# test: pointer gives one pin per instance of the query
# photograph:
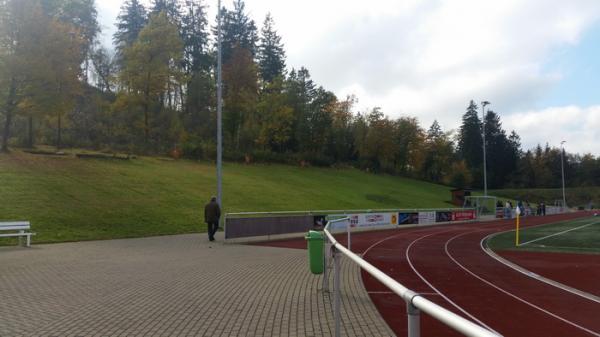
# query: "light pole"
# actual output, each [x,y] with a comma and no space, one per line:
[562,168]
[219,110]
[483,104]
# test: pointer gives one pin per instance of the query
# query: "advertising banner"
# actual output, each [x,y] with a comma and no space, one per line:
[408,218]
[426,217]
[463,215]
[373,219]
[443,216]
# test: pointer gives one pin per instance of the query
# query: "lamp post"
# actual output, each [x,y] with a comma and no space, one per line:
[562,168]
[483,104]
[219,110]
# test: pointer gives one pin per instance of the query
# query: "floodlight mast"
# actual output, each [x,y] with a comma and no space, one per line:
[483,104]
[562,168]
[219,110]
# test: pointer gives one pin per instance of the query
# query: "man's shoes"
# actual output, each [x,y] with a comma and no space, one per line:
[211,239]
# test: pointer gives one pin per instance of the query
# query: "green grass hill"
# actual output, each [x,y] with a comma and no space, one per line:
[68,198]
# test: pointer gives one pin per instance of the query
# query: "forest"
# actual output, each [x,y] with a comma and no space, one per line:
[153,92]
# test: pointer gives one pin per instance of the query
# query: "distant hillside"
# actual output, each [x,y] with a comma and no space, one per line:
[68,198]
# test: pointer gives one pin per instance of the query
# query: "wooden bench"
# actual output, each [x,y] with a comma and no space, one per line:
[18,228]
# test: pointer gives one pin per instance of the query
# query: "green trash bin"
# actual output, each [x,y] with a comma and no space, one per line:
[315,241]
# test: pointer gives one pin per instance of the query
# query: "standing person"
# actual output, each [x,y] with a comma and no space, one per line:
[543,208]
[212,213]
[507,210]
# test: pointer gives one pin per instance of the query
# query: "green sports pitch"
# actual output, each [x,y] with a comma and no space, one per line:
[573,236]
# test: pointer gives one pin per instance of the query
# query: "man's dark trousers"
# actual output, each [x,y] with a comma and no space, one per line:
[212,229]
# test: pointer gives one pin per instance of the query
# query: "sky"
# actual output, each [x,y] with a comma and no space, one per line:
[536,61]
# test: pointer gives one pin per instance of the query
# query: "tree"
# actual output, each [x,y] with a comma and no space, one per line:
[239,31]
[104,69]
[470,140]
[276,118]
[195,37]
[239,119]
[271,55]
[149,66]
[301,93]
[53,80]
[439,154]
[409,141]
[130,22]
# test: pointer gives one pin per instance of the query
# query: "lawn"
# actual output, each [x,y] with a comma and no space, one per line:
[71,199]
[575,236]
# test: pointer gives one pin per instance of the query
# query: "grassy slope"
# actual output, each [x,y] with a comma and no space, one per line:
[67,198]
[582,240]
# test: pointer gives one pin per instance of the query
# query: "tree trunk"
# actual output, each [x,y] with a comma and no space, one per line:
[9,107]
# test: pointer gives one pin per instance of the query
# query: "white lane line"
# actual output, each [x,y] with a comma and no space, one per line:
[533,275]
[559,233]
[435,289]
[510,294]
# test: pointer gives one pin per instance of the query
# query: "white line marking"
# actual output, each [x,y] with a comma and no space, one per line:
[555,234]
[435,289]
[512,295]
[531,274]
[393,293]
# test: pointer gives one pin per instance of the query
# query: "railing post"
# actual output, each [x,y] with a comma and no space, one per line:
[414,324]
[337,295]
[325,272]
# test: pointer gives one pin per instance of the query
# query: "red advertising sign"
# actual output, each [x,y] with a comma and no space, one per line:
[463,215]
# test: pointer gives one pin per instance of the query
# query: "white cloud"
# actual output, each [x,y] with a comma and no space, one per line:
[427,58]
[579,127]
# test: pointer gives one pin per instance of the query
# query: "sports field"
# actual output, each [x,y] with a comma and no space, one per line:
[573,236]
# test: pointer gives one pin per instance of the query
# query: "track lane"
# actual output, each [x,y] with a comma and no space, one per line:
[433,263]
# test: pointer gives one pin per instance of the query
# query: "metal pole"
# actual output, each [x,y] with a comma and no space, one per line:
[336,284]
[348,233]
[325,272]
[483,104]
[414,323]
[219,111]
[562,167]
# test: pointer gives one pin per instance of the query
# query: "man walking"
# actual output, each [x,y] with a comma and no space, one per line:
[212,213]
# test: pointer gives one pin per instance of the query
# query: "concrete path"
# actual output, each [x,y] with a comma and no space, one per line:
[173,286]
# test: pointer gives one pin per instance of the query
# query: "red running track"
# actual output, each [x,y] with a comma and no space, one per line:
[448,265]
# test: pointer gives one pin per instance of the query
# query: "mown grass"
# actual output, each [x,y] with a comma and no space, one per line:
[580,236]
[71,199]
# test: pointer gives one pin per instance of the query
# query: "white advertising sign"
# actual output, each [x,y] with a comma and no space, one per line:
[373,219]
[426,217]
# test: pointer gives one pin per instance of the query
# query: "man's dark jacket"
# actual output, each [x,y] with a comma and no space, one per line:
[212,212]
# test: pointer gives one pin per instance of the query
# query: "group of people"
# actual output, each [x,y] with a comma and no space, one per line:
[524,209]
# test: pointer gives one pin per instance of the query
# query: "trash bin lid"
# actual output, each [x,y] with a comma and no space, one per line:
[314,235]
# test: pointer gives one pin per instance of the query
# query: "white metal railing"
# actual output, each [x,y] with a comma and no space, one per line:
[415,303]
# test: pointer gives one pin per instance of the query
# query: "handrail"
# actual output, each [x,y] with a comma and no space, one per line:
[443,315]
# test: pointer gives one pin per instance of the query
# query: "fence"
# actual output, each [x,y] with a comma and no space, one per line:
[415,303]
[273,225]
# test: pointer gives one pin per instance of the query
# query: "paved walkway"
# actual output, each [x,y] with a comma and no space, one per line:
[173,286]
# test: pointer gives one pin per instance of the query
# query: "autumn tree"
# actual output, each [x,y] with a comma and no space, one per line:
[150,65]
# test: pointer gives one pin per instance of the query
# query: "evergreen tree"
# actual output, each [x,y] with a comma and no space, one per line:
[470,141]
[172,9]
[130,22]
[301,93]
[238,30]
[271,55]
[195,37]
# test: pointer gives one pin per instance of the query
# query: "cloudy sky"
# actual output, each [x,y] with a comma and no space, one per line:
[536,61]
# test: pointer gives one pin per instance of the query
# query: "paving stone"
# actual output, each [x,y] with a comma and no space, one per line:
[174,286]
